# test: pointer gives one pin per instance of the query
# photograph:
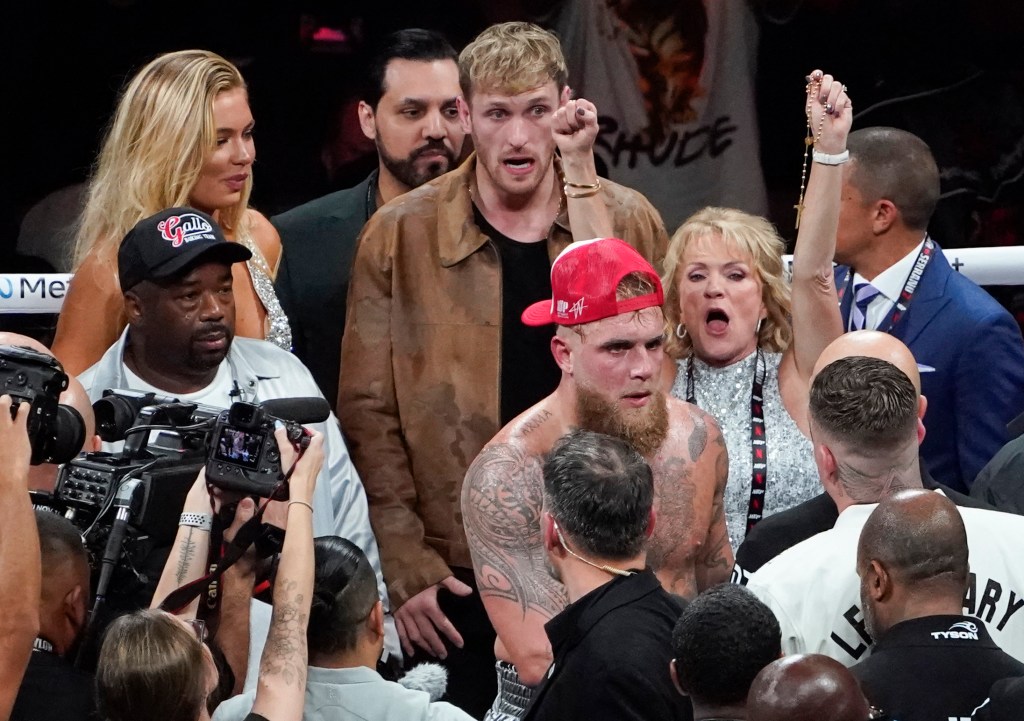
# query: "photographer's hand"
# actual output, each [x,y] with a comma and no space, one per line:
[281,690]
[19,554]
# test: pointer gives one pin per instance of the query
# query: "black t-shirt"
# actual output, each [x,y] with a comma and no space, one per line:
[54,689]
[528,370]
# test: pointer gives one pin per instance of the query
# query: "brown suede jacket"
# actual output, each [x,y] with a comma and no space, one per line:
[420,363]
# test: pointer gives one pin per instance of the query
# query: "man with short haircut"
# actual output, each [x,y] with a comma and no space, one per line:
[806,687]
[929,661]
[865,426]
[63,611]
[898,281]
[345,638]
[175,271]
[598,515]
[408,109]
[722,640]
[606,303]
[435,359]
[780,531]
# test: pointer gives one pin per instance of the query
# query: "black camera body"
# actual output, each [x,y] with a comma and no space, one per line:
[56,432]
[244,455]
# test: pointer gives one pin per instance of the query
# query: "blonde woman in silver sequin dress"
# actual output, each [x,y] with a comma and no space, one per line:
[739,333]
[181,135]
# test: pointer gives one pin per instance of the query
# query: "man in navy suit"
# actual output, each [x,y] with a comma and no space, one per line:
[894,278]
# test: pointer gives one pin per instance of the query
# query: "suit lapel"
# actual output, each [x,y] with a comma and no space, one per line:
[928,300]
[843,274]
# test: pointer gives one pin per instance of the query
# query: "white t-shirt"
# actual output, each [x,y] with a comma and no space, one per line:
[691,139]
[814,591]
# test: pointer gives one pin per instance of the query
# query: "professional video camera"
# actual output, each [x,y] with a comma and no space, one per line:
[166,442]
[55,431]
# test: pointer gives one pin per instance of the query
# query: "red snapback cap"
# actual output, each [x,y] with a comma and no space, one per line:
[584,278]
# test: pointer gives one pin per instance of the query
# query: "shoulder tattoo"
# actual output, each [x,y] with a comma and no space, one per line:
[501,506]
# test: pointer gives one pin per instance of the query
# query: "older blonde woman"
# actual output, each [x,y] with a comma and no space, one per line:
[182,134]
[743,342]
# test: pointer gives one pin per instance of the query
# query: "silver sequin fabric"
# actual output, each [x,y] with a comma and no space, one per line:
[277,329]
[725,394]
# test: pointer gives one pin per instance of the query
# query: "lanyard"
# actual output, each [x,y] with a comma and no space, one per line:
[758,439]
[906,295]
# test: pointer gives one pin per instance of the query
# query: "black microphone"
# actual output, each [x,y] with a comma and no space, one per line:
[301,410]
[126,503]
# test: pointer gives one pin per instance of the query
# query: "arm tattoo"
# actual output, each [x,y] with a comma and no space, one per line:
[186,554]
[502,501]
[285,652]
[674,497]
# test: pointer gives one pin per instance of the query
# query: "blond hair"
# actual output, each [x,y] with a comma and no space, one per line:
[751,235]
[153,152]
[512,58]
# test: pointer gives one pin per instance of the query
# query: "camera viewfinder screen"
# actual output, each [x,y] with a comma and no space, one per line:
[239,447]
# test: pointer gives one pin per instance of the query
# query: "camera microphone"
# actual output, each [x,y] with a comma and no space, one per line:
[300,410]
[126,504]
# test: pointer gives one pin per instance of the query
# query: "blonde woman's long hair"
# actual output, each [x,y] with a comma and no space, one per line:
[752,235]
[154,148]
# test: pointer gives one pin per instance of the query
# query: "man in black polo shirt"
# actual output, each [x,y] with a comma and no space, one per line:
[929,661]
[611,644]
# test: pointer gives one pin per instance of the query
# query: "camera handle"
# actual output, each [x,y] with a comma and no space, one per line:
[126,505]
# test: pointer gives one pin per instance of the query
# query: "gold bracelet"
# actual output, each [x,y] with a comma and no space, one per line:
[581,193]
[584,186]
[301,503]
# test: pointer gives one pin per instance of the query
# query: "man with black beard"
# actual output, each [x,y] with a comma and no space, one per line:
[609,347]
[408,108]
[175,272]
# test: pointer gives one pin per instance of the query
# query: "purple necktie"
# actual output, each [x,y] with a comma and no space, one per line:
[863,294]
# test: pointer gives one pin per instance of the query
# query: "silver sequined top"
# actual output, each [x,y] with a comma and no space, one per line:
[277,329]
[725,394]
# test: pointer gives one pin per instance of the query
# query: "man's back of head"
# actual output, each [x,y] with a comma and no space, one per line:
[599,491]
[892,164]
[65,589]
[864,423]
[345,621]
[721,642]
[912,559]
[806,687]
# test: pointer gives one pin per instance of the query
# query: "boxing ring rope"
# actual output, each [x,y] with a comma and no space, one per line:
[44,292]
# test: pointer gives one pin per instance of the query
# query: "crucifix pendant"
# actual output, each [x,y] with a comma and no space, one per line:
[799,211]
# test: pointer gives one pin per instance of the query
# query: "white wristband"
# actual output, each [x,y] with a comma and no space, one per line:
[202,521]
[826,159]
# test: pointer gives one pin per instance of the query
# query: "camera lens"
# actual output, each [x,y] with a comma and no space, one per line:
[68,435]
[114,416]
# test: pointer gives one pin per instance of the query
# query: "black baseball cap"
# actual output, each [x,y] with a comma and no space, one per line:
[165,244]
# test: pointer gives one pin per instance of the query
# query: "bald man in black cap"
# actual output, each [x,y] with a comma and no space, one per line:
[929,661]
